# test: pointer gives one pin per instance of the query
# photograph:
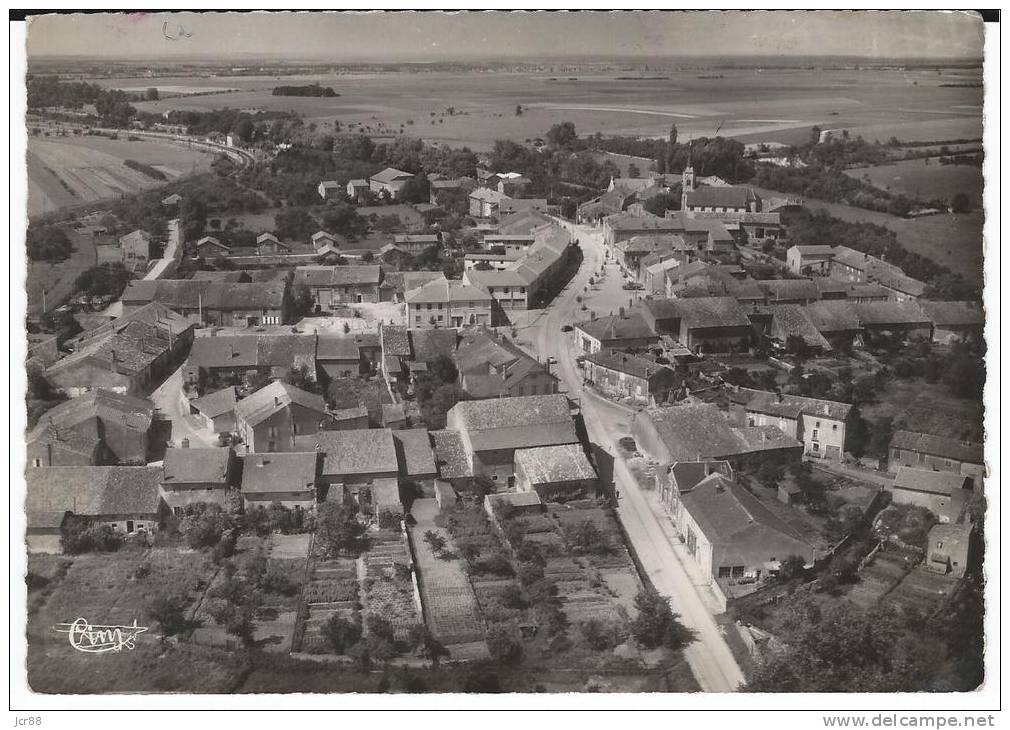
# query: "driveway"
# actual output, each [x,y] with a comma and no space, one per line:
[650,531]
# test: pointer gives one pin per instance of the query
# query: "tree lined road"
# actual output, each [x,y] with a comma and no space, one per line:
[709,656]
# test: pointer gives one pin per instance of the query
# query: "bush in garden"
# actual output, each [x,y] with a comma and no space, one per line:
[340,633]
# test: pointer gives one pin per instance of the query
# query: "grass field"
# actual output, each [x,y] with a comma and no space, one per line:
[924,181]
[750,103]
[66,171]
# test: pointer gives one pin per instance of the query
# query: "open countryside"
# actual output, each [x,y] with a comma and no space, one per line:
[752,104]
[71,170]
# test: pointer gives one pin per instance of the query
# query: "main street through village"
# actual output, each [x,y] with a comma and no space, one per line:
[650,531]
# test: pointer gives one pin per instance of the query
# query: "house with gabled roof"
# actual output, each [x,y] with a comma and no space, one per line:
[701,431]
[126,498]
[628,332]
[130,354]
[135,248]
[491,430]
[271,418]
[210,247]
[217,409]
[329,189]
[556,473]
[213,303]
[99,427]
[674,479]
[944,493]
[954,321]
[819,423]
[492,367]
[636,378]
[193,475]
[451,303]
[415,456]
[712,324]
[332,286]
[288,478]
[354,459]
[732,535]
[390,181]
[937,453]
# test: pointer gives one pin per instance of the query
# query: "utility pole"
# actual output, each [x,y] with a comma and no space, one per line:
[43,301]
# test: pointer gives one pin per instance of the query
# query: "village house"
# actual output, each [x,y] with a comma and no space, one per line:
[820,424]
[490,366]
[98,428]
[353,460]
[126,498]
[731,535]
[710,324]
[947,549]
[136,250]
[213,303]
[656,270]
[131,354]
[197,475]
[943,493]
[415,457]
[635,377]
[702,233]
[217,409]
[339,356]
[416,243]
[842,263]
[357,188]
[267,244]
[631,251]
[209,247]
[490,431]
[674,479]
[937,453]
[484,202]
[837,321]
[330,189]
[790,291]
[224,358]
[332,286]
[831,290]
[894,318]
[322,239]
[556,473]
[289,479]
[628,332]
[953,321]
[622,226]
[447,303]
[271,418]
[496,259]
[389,181]
[701,431]
[509,242]
[172,200]
[789,323]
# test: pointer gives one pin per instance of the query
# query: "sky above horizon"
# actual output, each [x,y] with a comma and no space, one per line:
[413,36]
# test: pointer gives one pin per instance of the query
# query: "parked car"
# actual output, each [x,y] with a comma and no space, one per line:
[567,328]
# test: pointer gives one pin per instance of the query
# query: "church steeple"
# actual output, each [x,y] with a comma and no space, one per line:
[687,183]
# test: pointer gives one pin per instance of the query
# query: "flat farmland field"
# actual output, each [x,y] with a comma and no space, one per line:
[752,104]
[66,171]
[917,179]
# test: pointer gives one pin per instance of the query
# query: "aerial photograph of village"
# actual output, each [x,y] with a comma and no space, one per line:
[504,353]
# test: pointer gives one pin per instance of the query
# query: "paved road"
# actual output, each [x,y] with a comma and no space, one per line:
[662,556]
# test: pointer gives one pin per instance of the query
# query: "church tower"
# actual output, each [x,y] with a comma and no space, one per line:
[687,185]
